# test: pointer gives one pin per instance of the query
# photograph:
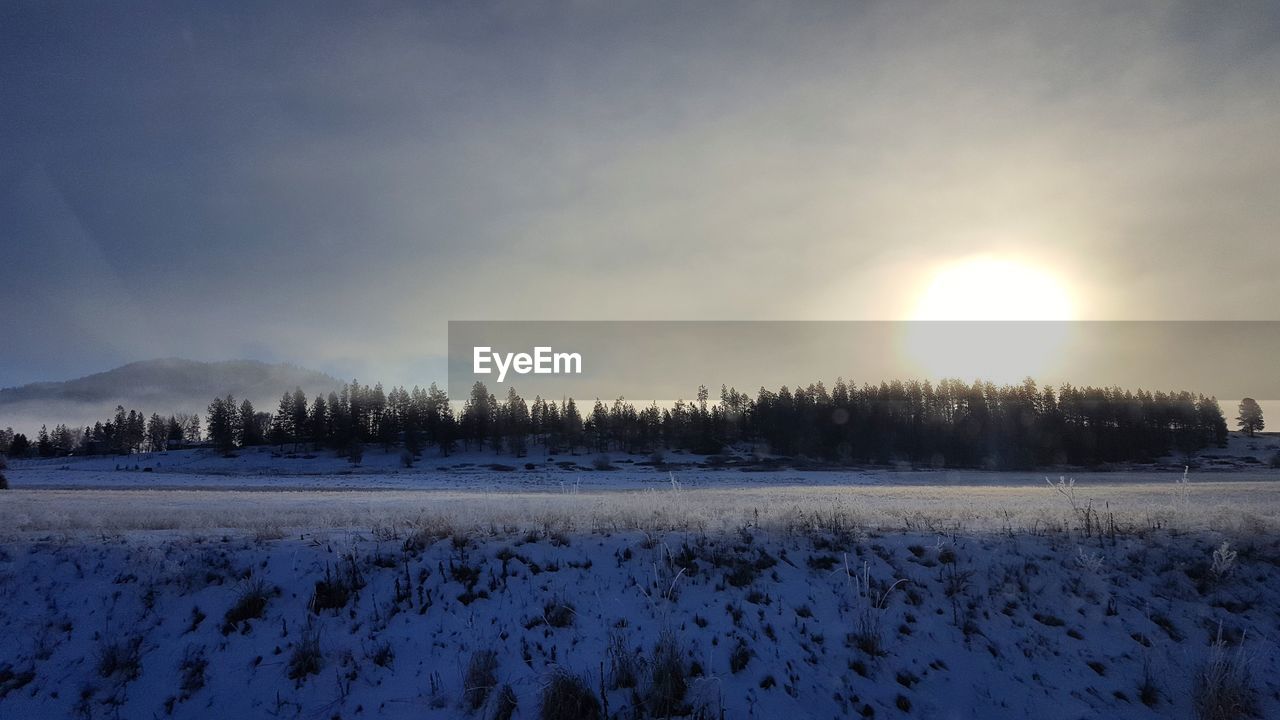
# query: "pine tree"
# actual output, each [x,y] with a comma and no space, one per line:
[176,432]
[517,422]
[571,421]
[1250,418]
[20,446]
[318,421]
[283,428]
[44,446]
[298,415]
[477,416]
[157,433]
[436,413]
[222,424]
[250,427]
[64,440]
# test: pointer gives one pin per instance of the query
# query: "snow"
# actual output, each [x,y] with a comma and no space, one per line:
[1028,618]
[992,596]
[264,467]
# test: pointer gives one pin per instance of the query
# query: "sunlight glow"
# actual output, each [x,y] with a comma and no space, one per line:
[988,288]
[987,293]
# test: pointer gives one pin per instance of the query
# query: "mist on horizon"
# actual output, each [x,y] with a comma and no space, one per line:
[330,189]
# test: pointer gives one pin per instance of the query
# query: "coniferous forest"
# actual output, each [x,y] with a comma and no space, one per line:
[949,424]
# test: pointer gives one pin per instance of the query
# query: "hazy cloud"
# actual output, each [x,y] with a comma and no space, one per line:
[328,185]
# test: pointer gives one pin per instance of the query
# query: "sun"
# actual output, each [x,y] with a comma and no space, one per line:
[988,288]
[1014,322]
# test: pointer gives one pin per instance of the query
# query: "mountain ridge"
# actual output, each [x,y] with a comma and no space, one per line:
[163,385]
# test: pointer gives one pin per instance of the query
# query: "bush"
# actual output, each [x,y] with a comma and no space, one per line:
[383,655]
[506,704]
[668,682]
[193,667]
[4,481]
[123,659]
[1224,561]
[568,697]
[250,605]
[306,659]
[1223,687]
[558,613]
[601,462]
[481,677]
[739,658]
[623,665]
[330,593]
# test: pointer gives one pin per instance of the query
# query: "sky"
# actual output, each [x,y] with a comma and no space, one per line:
[328,184]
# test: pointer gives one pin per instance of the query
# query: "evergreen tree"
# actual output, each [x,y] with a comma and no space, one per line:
[283,427]
[222,424]
[1250,418]
[20,446]
[298,416]
[318,421]
[44,446]
[177,430]
[571,421]
[250,429]
[517,422]
[65,441]
[477,416]
[157,433]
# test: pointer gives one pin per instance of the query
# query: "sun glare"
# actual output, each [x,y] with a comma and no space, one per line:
[989,289]
[993,289]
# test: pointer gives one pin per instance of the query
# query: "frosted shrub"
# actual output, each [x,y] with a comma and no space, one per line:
[307,658]
[251,603]
[120,658]
[568,697]
[668,681]
[1223,687]
[1184,490]
[481,678]
[1089,562]
[1224,561]
[624,666]
[868,636]
[1085,515]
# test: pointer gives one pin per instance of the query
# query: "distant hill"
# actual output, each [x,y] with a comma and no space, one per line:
[164,386]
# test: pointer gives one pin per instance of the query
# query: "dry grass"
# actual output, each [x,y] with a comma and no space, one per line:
[480,679]
[568,697]
[1244,507]
[1223,688]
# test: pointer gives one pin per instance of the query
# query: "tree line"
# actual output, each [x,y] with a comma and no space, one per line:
[948,424]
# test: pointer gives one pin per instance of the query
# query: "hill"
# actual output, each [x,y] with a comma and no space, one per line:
[165,386]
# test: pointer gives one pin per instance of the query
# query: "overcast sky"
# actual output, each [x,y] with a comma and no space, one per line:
[329,183]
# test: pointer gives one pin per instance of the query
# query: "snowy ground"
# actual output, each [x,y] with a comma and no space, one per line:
[199,590]
[766,622]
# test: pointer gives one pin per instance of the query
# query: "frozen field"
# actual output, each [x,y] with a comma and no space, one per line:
[1228,506]
[474,592]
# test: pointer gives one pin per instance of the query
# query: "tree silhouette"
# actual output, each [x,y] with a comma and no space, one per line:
[1250,417]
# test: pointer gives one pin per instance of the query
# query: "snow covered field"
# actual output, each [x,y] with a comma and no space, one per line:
[475,592]
[263,467]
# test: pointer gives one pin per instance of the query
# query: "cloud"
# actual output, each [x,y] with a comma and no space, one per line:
[331,188]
